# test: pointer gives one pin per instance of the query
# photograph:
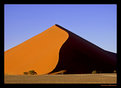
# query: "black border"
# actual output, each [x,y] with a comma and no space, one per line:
[2,3]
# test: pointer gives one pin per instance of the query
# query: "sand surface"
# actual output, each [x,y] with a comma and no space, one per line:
[106,78]
[39,53]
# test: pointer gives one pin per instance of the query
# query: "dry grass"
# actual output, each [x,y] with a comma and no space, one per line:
[107,78]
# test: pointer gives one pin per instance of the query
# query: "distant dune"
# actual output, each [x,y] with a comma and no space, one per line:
[55,50]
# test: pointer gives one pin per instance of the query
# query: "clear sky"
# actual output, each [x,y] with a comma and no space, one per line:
[96,23]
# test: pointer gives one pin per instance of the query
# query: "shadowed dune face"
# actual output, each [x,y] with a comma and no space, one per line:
[40,53]
[78,55]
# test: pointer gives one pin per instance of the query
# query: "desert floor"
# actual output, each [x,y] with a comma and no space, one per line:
[105,78]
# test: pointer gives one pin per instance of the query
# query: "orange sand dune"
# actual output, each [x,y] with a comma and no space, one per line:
[40,53]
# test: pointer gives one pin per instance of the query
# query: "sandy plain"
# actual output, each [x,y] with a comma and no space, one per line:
[102,78]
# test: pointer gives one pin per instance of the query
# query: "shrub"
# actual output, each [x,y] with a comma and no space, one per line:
[32,72]
[25,73]
[114,71]
[94,72]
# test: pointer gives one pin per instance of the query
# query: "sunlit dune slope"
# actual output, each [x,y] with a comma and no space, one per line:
[40,53]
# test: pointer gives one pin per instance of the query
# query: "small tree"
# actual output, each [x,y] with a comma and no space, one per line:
[32,72]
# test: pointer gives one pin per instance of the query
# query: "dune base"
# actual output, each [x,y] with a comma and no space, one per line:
[102,78]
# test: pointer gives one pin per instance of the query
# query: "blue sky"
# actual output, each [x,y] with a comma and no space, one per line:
[96,23]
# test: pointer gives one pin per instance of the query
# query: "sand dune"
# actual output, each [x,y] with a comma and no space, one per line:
[40,53]
[57,49]
[77,56]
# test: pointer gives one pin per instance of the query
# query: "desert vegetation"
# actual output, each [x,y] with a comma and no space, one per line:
[94,72]
[115,71]
[31,72]
[98,71]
